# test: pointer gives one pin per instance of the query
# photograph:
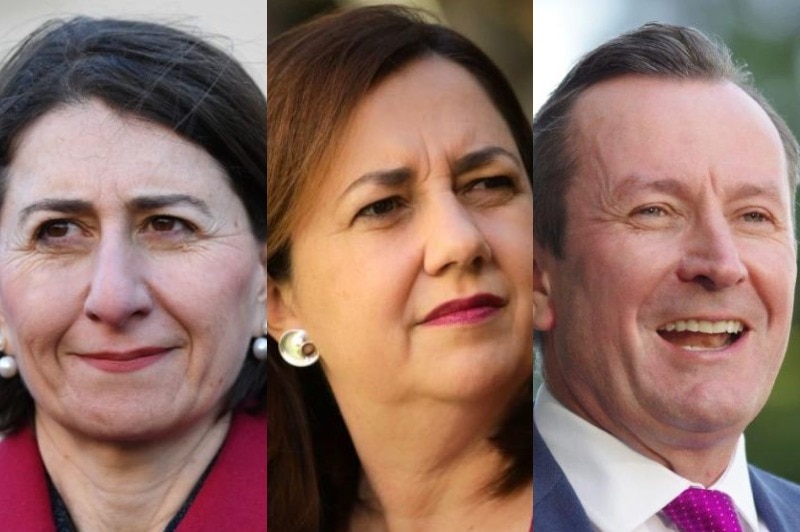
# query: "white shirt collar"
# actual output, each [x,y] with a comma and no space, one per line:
[619,488]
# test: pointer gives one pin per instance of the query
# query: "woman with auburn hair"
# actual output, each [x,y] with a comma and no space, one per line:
[399,259]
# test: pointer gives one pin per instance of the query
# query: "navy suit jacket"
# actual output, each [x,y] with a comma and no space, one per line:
[556,508]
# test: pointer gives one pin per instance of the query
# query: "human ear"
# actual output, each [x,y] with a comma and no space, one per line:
[543,315]
[280,309]
[261,300]
[5,333]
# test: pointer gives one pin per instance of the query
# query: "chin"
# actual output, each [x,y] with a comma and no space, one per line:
[129,423]
[712,416]
[479,380]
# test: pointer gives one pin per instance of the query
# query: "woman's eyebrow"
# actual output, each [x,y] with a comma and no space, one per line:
[66,206]
[482,157]
[387,178]
[141,203]
[154,202]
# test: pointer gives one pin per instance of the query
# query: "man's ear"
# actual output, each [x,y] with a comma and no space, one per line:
[280,309]
[543,313]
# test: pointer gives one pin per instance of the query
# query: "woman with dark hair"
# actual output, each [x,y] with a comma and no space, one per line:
[399,259]
[132,283]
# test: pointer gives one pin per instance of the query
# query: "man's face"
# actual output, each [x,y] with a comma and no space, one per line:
[670,310]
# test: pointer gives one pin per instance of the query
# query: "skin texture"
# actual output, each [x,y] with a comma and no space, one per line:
[680,208]
[111,272]
[376,257]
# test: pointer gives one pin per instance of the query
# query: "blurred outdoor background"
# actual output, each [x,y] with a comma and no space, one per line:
[502,28]
[764,34]
[239,27]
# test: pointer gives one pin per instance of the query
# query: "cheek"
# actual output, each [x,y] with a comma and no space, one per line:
[352,295]
[214,291]
[773,273]
[39,304]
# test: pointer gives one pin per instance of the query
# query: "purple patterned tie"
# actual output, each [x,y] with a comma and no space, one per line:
[701,510]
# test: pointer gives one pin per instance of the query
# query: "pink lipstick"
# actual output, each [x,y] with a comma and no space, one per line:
[465,311]
[124,361]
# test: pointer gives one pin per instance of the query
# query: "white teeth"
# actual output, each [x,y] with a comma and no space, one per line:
[705,326]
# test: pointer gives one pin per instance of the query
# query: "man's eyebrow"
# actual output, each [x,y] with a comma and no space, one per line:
[636,183]
[154,202]
[483,157]
[750,190]
[677,188]
[387,178]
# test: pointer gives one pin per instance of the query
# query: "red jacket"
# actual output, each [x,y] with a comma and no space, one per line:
[232,498]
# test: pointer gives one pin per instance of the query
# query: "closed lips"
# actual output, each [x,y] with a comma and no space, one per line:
[465,304]
[125,355]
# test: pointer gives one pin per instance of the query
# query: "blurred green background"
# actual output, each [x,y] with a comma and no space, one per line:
[764,34]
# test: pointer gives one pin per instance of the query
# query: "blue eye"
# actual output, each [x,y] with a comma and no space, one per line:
[653,210]
[755,217]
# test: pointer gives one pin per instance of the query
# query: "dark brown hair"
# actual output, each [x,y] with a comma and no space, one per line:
[655,50]
[317,74]
[159,74]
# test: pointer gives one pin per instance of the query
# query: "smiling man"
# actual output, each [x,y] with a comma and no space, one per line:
[665,267]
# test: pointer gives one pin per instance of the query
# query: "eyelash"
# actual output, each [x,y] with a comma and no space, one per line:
[371,210]
[172,219]
[40,234]
[491,184]
[498,181]
[762,217]
[651,210]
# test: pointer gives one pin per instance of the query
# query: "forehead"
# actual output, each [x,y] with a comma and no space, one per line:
[88,145]
[430,108]
[642,125]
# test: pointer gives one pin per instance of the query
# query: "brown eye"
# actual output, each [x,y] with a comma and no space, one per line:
[167,224]
[163,224]
[381,208]
[493,183]
[55,229]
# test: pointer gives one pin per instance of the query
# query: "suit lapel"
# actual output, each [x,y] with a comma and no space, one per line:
[556,508]
[777,501]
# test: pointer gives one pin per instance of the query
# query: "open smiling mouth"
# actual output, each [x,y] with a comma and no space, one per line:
[702,335]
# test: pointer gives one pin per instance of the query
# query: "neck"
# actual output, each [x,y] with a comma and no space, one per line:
[696,456]
[127,486]
[438,471]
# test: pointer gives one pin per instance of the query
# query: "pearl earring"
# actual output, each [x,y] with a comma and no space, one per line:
[8,364]
[296,349]
[261,345]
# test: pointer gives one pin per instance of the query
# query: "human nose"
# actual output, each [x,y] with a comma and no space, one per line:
[712,258]
[453,238]
[117,291]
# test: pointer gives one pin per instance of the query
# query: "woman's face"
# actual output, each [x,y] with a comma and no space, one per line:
[130,281]
[412,268]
